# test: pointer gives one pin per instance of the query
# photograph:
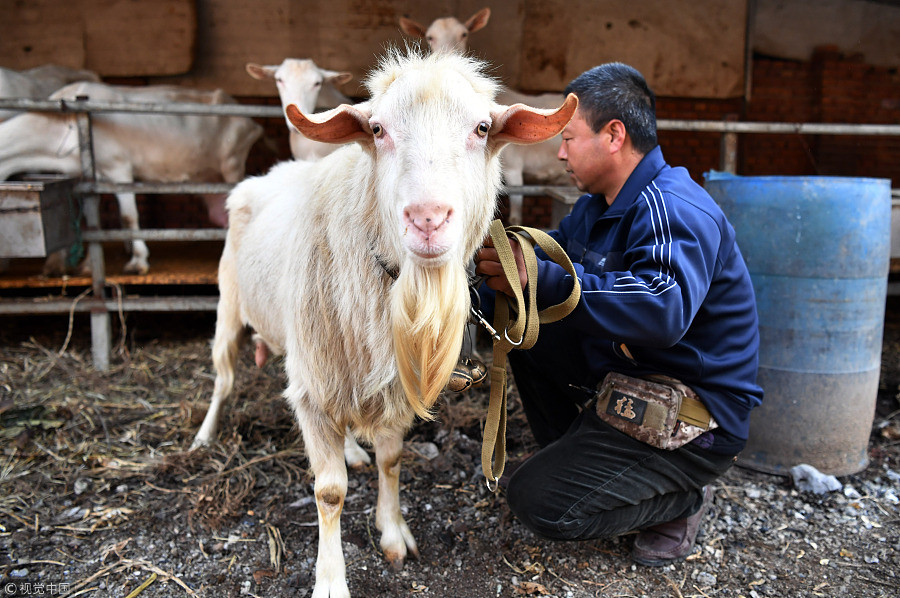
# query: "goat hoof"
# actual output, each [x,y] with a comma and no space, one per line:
[395,561]
[200,443]
[136,266]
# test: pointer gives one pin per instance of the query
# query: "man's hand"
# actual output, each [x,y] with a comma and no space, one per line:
[487,263]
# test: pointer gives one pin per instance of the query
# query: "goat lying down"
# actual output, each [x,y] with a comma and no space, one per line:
[306,263]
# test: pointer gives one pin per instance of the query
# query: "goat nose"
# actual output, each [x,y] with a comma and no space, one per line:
[426,217]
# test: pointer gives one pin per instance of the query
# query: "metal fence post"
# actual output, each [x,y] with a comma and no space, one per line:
[101,336]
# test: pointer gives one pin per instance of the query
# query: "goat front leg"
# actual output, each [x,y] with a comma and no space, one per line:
[354,454]
[396,539]
[324,447]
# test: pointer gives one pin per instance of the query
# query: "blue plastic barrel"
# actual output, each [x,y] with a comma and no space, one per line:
[818,251]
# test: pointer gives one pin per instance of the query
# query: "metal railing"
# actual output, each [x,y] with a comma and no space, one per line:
[89,189]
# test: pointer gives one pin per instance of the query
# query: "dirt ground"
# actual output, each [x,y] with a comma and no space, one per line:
[100,497]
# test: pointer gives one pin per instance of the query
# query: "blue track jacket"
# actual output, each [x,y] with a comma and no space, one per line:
[660,273]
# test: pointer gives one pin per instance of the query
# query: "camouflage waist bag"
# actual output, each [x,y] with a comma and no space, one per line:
[659,411]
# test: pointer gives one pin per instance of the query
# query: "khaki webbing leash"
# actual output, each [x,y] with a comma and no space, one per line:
[691,412]
[694,412]
[517,327]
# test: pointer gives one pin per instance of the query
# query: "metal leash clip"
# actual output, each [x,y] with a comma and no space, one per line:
[475,308]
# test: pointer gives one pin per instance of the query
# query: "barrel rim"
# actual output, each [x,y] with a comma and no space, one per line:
[716,176]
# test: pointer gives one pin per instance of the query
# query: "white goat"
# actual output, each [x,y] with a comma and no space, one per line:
[38,83]
[447,34]
[134,146]
[308,265]
[538,162]
[301,82]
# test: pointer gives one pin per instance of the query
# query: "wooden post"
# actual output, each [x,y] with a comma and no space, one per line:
[729,148]
[728,162]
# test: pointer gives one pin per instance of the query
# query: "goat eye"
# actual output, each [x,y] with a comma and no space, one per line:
[482,129]
[377,130]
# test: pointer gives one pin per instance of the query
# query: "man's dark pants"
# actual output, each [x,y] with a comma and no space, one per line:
[591,481]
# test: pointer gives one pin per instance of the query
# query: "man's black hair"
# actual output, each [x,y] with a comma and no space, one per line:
[617,91]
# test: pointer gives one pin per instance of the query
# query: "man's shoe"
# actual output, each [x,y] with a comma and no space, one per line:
[672,541]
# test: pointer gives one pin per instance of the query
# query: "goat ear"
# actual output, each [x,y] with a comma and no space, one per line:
[411,28]
[336,78]
[258,71]
[478,20]
[343,124]
[524,125]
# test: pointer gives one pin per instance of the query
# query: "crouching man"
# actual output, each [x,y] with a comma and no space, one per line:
[641,397]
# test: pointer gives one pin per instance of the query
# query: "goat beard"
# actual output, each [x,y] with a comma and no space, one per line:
[429,310]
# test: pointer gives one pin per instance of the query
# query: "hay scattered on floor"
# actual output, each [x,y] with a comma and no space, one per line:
[67,428]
